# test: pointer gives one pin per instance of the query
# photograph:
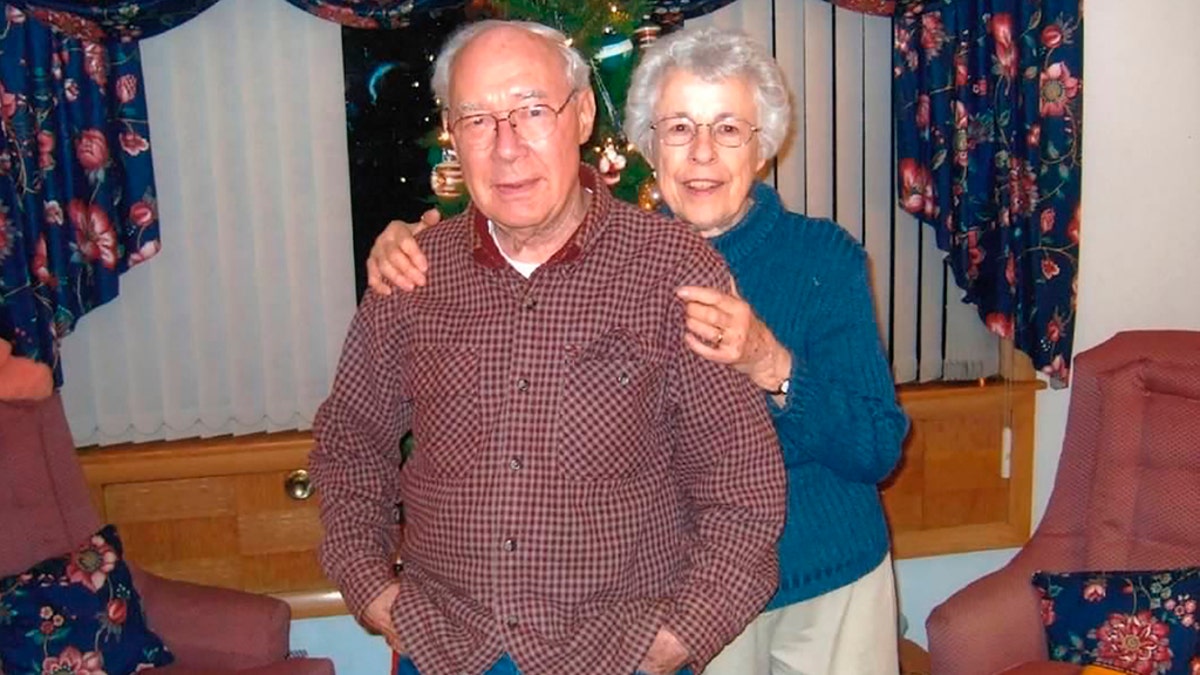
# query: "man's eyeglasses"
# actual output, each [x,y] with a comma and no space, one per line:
[531,123]
[729,132]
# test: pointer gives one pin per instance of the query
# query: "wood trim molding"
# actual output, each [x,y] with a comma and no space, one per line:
[195,458]
[314,604]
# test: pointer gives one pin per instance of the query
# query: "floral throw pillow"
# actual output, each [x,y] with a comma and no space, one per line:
[77,615]
[1143,623]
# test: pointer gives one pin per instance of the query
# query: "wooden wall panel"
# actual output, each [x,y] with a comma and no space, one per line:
[955,491]
[217,512]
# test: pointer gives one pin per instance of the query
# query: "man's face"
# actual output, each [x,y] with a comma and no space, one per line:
[519,183]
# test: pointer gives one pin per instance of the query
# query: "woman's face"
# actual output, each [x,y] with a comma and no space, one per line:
[706,184]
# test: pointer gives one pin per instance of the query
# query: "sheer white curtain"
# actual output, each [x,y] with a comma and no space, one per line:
[838,164]
[237,324]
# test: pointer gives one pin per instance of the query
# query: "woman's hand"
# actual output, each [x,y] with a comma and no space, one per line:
[395,258]
[723,328]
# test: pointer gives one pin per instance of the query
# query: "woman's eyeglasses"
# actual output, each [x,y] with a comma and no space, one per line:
[729,132]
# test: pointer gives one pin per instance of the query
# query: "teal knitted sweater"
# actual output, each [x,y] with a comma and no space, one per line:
[840,427]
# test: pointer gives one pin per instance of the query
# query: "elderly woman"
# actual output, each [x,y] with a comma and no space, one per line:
[709,109]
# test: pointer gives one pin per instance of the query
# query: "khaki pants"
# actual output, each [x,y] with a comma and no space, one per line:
[848,631]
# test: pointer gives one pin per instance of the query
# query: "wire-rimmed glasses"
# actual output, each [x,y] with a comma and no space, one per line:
[729,131]
[530,122]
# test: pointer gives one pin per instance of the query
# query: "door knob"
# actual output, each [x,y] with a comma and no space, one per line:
[298,485]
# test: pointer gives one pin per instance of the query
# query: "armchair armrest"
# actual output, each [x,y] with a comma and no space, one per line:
[214,628]
[992,624]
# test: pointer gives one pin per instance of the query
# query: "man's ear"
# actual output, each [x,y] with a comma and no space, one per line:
[587,114]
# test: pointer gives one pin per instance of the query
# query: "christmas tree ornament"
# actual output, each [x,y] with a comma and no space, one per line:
[447,177]
[670,17]
[615,51]
[646,33]
[476,10]
[613,65]
[649,195]
[611,163]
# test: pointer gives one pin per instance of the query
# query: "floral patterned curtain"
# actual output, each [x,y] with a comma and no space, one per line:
[988,118]
[136,19]
[77,203]
[77,200]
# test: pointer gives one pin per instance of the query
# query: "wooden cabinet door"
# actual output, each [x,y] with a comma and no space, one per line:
[218,512]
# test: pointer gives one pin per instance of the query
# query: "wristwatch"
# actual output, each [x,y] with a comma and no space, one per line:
[783,387]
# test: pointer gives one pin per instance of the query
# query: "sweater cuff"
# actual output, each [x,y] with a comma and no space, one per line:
[800,392]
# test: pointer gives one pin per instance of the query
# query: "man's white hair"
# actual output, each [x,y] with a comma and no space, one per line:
[577,71]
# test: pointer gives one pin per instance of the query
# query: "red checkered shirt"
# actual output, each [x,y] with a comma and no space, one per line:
[580,478]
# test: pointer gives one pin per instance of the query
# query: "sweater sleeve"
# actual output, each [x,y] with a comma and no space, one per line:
[841,408]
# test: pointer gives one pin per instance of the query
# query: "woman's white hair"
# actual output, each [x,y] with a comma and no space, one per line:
[714,55]
[577,70]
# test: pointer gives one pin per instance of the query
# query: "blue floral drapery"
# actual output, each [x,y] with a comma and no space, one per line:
[77,203]
[136,19]
[77,199]
[988,117]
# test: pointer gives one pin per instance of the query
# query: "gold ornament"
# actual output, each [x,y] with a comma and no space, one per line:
[646,33]
[649,196]
[446,179]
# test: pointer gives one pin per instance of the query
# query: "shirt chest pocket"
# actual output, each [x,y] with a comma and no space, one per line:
[612,408]
[446,425]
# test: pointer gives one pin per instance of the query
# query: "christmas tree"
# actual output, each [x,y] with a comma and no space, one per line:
[610,34]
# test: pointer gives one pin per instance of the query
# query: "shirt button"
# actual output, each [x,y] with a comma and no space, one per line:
[510,621]
[623,379]
[510,545]
[515,464]
[529,303]
[522,385]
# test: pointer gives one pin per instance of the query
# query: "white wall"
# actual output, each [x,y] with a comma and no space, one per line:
[1140,229]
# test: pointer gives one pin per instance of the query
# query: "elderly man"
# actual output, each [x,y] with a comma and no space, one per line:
[587,495]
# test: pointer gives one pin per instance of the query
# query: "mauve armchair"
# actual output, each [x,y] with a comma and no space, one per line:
[45,511]
[1124,498]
